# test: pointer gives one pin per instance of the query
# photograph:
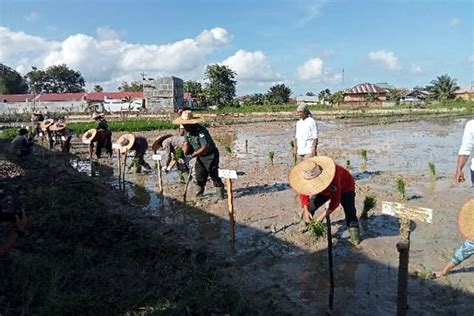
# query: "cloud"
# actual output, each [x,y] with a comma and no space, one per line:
[32,17]
[251,66]
[415,69]
[386,58]
[471,59]
[310,11]
[455,21]
[311,69]
[105,58]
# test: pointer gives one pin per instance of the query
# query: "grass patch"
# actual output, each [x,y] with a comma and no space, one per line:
[8,133]
[125,126]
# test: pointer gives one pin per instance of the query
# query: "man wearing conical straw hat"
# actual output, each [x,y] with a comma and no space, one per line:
[323,180]
[466,249]
[200,146]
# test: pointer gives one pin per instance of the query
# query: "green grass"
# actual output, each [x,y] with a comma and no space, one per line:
[8,133]
[401,188]
[317,229]
[138,125]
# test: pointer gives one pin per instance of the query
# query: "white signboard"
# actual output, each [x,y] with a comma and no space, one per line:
[116,146]
[87,141]
[413,213]
[156,157]
[231,174]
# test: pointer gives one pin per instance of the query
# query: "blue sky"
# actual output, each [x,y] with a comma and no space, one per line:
[304,44]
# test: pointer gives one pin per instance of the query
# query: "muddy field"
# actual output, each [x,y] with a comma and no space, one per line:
[279,267]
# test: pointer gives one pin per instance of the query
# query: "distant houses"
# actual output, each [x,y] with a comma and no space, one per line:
[466,93]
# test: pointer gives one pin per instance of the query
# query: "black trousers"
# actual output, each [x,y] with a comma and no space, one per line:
[347,202]
[207,166]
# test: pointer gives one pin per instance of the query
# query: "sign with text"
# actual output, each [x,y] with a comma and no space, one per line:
[156,157]
[413,213]
[116,146]
[224,173]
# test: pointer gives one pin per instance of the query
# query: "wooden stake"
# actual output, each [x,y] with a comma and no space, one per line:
[190,175]
[331,273]
[160,178]
[230,203]
[119,165]
[403,248]
[124,165]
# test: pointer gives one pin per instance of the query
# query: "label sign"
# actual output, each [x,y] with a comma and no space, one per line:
[413,213]
[116,146]
[87,141]
[231,174]
[156,157]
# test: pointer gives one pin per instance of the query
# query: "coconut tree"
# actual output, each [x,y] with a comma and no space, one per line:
[443,87]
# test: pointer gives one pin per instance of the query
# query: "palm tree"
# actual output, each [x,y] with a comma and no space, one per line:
[443,88]
[337,98]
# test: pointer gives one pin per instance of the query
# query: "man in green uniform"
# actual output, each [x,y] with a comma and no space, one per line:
[199,146]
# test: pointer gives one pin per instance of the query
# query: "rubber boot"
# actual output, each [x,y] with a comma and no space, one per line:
[199,191]
[354,232]
[220,192]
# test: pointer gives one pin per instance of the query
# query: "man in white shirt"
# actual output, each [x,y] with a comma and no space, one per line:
[465,151]
[306,146]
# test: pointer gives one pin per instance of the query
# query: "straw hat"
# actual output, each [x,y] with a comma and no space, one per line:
[466,220]
[312,175]
[96,115]
[58,127]
[46,123]
[126,142]
[158,143]
[89,135]
[188,118]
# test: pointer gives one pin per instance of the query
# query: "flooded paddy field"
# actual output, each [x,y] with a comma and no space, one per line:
[283,269]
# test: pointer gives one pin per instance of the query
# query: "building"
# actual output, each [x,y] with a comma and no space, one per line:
[417,95]
[308,100]
[466,93]
[361,94]
[163,94]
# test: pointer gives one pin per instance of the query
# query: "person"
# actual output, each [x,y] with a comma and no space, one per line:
[323,180]
[37,118]
[305,146]
[465,151]
[103,137]
[65,135]
[22,144]
[169,143]
[466,249]
[139,144]
[13,237]
[46,128]
[201,152]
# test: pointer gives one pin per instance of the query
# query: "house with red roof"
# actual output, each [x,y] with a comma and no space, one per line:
[364,94]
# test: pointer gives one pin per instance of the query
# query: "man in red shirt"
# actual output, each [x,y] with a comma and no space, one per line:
[323,180]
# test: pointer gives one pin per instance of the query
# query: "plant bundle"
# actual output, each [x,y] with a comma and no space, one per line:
[363,154]
[432,169]
[178,153]
[271,155]
[401,188]
[228,149]
[317,229]
[369,203]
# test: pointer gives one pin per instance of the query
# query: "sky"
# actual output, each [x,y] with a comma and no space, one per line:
[308,45]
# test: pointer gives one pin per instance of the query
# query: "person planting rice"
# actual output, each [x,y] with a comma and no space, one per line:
[323,180]
[139,144]
[466,249]
[99,139]
[22,144]
[169,143]
[64,134]
[37,118]
[46,128]
[200,147]
[306,144]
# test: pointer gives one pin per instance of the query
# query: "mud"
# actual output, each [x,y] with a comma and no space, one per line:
[277,264]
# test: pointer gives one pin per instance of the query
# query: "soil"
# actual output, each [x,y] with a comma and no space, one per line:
[277,267]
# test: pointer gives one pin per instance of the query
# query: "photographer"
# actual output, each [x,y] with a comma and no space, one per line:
[22,144]
[10,241]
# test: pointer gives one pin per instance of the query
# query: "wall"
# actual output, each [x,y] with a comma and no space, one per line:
[163,94]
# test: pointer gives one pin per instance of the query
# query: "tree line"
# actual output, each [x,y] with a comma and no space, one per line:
[219,88]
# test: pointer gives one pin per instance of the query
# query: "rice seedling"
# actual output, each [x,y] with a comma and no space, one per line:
[363,155]
[348,164]
[432,169]
[178,153]
[369,203]
[228,149]
[295,157]
[401,188]
[317,229]
[271,155]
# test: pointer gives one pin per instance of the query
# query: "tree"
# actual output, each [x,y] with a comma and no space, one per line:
[55,79]
[371,97]
[193,87]
[278,94]
[443,88]
[220,86]
[11,82]
[336,98]
[98,88]
[394,95]
[134,86]
[310,94]
[324,95]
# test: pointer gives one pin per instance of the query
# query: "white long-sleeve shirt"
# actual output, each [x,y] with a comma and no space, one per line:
[306,132]
[467,144]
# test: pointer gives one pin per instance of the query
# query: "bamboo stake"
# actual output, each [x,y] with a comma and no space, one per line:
[403,248]
[124,165]
[119,165]
[160,178]
[190,175]
[230,203]
[331,272]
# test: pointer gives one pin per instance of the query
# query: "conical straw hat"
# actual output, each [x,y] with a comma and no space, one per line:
[466,220]
[58,127]
[159,141]
[312,175]
[187,118]
[89,135]
[126,142]
[46,123]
